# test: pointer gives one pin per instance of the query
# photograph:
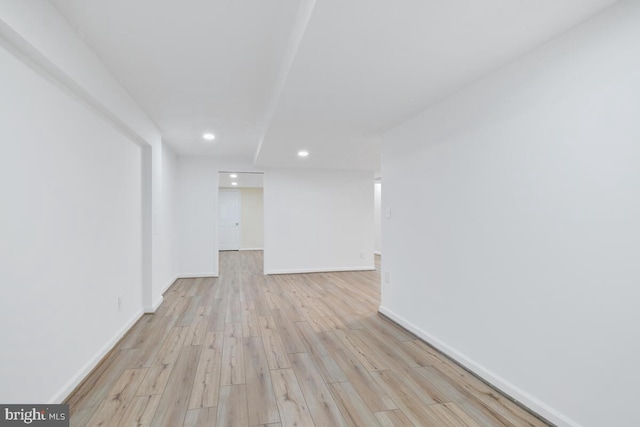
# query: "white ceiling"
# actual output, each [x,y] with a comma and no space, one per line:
[242,179]
[194,66]
[362,66]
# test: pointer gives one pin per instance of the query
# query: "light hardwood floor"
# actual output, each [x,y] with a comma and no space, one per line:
[289,350]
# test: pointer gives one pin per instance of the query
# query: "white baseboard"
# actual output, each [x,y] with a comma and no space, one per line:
[156,304]
[68,388]
[151,310]
[196,275]
[168,285]
[251,249]
[319,270]
[490,377]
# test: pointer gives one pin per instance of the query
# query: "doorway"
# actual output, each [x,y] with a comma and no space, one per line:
[240,211]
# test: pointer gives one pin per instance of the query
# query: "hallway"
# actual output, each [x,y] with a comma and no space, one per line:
[246,349]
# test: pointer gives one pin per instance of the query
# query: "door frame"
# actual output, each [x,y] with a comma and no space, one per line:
[239,171]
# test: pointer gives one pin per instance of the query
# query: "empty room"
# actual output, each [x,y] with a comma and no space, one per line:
[320,213]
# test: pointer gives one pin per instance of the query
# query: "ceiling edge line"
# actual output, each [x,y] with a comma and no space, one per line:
[33,58]
[297,34]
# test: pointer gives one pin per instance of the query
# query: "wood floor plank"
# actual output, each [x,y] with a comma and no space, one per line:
[354,411]
[202,315]
[318,322]
[371,393]
[277,357]
[261,399]
[388,352]
[207,379]
[351,321]
[189,313]
[412,404]
[413,383]
[259,299]
[329,369]
[267,323]
[120,396]
[322,406]
[250,324]
[234,309]
[160,370]
[135,337]
[361,351]
[140,412]
[421,353]
[202,417]
[101,378]
[324,308]
[217,315]
[91,393]
[291,403]
[179,307]
[450,414]
[232,358]
[395,418]
[246,349]
[175,399]
[153,343]
[479,400]
[288,331]
[195,333]
[232,408]
[383,327]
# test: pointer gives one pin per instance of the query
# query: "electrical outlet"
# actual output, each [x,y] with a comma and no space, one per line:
[387,277]
[361,255]
[119,302]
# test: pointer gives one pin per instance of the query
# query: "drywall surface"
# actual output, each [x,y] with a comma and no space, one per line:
[377,212]
[40,33]
[164,220]
[251,219]
[513,239]
[42,29]
[71,236]
[318,220]
[196,210]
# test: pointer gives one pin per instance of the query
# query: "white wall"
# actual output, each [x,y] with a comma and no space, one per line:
[377,212]
[165,266]
[71,236]
[318,220]
[38,28]
[251,218]
[514,236]
[40,33]
[197,201]
[35,32]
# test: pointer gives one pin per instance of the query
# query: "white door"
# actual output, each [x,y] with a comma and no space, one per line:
[229,220]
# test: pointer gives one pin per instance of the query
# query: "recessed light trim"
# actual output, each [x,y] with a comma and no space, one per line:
[234,183]
[303,153]
[209,136]
[233,175]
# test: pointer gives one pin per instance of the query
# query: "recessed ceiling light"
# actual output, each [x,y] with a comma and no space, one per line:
[233,175]
[209,136]
[303,153]
[234,183]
